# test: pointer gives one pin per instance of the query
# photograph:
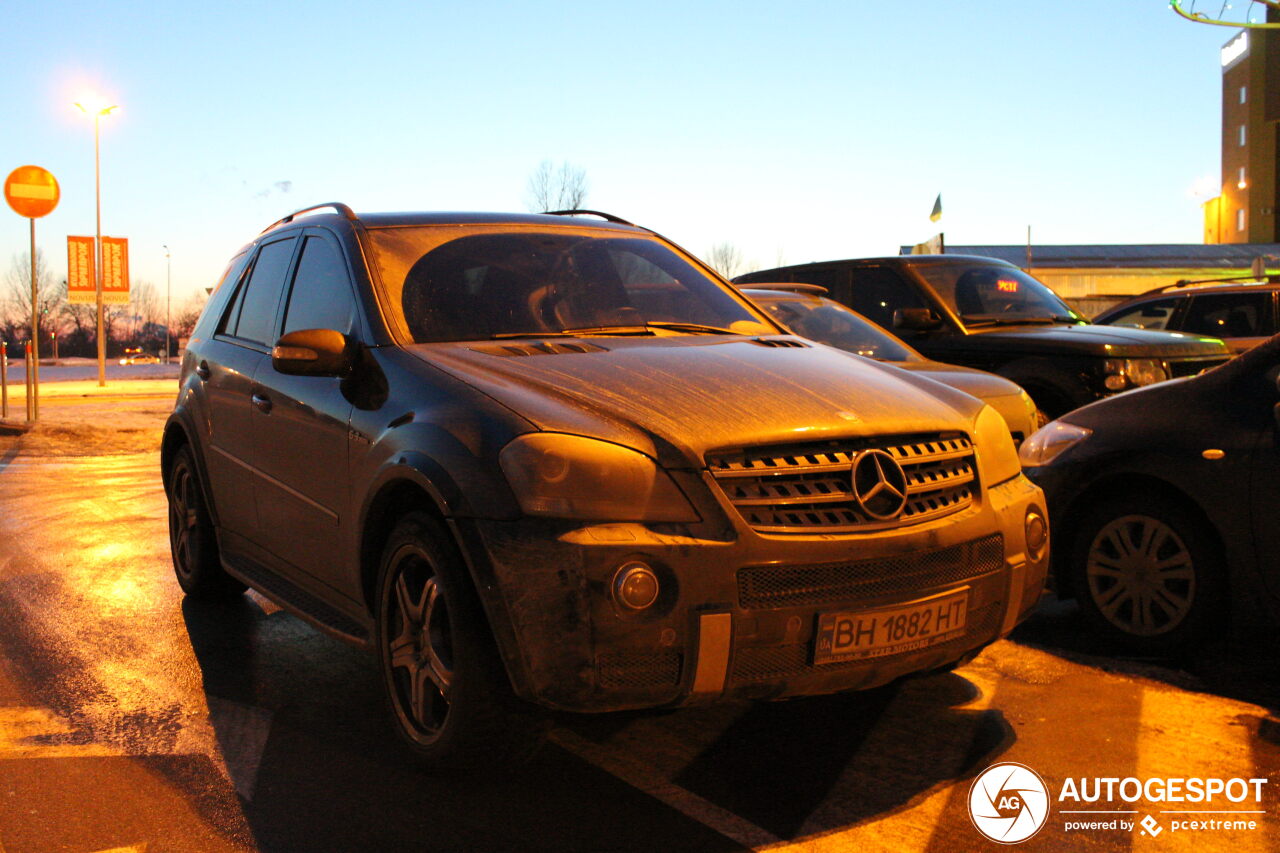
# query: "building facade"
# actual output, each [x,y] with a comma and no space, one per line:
[1246,209]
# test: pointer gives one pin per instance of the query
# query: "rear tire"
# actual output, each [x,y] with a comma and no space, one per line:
[192,540]
[446,687]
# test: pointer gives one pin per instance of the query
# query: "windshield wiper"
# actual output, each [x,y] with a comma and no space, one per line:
[637,329]
[690,327]
[576,333]
[990,320]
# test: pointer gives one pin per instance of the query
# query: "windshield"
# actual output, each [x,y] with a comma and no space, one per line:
[485,282]
[828,322]
[995,294]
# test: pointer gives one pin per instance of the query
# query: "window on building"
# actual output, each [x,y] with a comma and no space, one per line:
[1243,93]
[1242,136]
[1240,219]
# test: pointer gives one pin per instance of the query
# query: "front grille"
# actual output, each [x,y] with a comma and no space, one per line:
[638,669]
[771,587]
[1192,366]
[802,488]
[770,663]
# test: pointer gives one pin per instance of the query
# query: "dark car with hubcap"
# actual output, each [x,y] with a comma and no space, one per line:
[1163,504]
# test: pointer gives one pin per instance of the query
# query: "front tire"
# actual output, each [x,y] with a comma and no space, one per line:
[192,540]
[1147,574]
[448,692]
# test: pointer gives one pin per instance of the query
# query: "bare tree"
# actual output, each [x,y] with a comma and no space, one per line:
[184,320]
[556,189]
[726,259]
[16,306]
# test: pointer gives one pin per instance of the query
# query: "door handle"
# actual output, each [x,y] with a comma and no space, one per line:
[202,370]
[263,403]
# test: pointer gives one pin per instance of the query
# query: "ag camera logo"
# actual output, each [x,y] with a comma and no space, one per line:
[1008,803]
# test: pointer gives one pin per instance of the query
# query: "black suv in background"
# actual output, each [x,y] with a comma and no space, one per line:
[989,314]
[543,460]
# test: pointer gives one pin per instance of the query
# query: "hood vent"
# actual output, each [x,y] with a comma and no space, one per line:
[784,343]
[540,348]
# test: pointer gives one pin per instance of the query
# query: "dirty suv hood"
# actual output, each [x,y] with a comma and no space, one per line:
[691,394]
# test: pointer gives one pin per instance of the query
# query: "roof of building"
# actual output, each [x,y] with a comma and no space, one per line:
[1149,256]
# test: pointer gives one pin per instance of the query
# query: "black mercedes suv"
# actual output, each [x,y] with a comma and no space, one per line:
[986,313]
[549,460]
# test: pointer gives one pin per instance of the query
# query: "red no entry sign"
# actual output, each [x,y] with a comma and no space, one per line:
[31,191]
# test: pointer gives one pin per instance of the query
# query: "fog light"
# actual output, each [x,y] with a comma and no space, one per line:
[635,586]
[1037,533]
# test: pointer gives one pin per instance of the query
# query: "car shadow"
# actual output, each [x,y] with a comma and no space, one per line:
[300,721]
[1239,664]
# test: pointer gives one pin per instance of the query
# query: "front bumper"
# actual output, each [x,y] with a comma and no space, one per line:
[738,616]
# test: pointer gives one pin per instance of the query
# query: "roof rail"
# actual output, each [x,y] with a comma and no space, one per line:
[1271,278]
[786,286]
[607,217]
[336,205]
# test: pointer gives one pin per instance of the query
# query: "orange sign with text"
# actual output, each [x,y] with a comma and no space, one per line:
[81,285]
[115,270]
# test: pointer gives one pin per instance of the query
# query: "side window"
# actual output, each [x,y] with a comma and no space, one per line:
[321,296]
[1149,315]
[222,293]
[1228,315]
[254,318]
[877,292]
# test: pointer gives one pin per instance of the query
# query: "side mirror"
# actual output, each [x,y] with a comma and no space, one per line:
[312,352]
[916,319]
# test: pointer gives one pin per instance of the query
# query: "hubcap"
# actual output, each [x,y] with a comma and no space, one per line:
[1141,575]
[420,645]
[182,518]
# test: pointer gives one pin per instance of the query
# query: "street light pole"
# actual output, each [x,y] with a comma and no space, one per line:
[168,300]
[98,113]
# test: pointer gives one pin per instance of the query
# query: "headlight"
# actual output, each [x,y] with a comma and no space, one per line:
[996,453]
[1048,443]
[1122,373]
[568,476]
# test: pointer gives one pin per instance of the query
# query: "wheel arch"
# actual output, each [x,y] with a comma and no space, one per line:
[177,434]
[405,489]
[1113,487]
[399,494]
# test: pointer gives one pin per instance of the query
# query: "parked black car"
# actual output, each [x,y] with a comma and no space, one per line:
[542,460]
[1242,313]
[1164,504]
[989,314]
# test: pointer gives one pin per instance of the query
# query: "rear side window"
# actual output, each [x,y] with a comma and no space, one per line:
[253,314]
[321,296]
[877,292]
[1230,315]
[1149,315]
[221,293]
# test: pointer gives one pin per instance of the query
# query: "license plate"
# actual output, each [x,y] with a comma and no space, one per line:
[891,630]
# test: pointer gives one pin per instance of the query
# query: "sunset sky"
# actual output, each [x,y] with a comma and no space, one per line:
[797,131]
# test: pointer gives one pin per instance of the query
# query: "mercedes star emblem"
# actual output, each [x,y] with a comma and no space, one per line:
[879,485]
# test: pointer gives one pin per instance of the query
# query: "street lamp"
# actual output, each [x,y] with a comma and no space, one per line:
[97,110]
[168,300]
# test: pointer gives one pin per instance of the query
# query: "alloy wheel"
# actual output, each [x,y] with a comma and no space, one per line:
[183,518]
[419,641]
